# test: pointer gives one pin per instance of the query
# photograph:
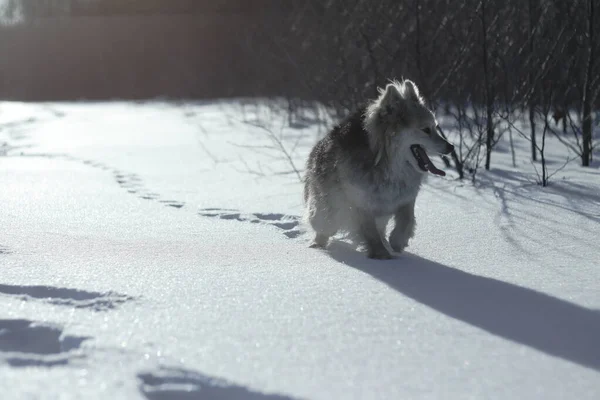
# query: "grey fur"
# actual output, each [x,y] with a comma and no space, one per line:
[362,173]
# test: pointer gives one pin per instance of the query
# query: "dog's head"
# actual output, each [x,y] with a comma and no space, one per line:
[399,121]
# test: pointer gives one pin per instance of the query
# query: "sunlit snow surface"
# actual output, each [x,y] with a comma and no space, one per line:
[156,251]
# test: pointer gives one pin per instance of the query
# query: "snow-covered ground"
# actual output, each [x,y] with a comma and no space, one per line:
[155,250]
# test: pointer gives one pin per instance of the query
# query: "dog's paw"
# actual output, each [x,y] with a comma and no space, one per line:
[316,245]
[399,247]
[319,242]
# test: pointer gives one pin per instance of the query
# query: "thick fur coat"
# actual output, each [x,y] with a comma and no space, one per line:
[369,169]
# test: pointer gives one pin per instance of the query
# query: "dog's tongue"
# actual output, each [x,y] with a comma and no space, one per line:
[428,164]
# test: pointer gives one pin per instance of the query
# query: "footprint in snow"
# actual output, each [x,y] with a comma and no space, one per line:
[66,297]
[172,203]
[288,224]
[179,384]
[25,343]
[94,164]
[134,185]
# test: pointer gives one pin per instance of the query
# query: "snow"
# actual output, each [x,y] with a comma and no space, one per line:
[155,250]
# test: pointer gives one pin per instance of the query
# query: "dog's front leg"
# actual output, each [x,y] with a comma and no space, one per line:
[372,237]
[404,227]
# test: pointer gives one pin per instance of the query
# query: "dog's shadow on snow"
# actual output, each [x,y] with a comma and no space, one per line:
[534,319]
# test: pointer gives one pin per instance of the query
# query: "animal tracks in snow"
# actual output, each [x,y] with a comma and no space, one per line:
[288,224]
[133,184]
[25,343]
[66,297]
[181,384]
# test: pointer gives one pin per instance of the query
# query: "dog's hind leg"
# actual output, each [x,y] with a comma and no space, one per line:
[404,228]
[322,220]
[371,234]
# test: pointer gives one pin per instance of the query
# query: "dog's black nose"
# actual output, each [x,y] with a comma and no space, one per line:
[449,148]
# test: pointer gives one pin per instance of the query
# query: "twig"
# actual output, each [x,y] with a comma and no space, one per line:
[280,146]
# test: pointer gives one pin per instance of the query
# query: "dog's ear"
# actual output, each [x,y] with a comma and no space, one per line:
[390,94]
[411,91]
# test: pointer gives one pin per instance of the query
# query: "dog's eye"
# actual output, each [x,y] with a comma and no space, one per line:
[427,130]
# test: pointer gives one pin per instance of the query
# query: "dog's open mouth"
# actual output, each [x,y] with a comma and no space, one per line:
[424,162]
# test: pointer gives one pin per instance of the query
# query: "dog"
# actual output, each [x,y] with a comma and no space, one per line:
[369,168]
